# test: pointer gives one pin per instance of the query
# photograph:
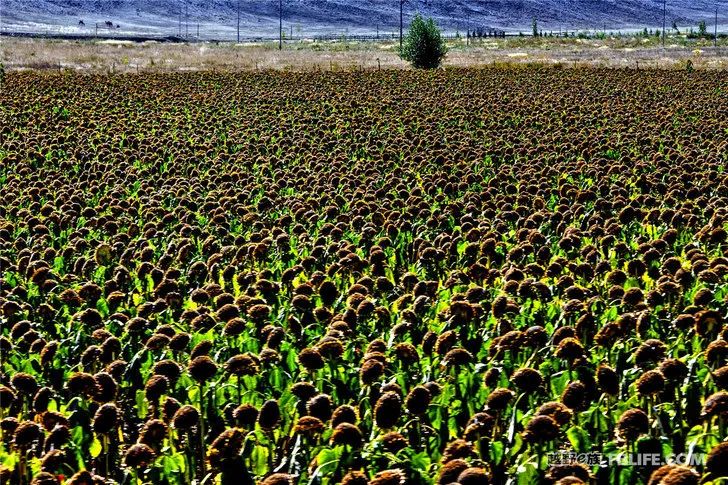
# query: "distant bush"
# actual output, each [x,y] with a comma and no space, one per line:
[423,46]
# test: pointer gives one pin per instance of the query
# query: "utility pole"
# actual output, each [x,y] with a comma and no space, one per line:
[401,22]
[715,32]
[238,21]
[280,24]
[467,27]
[664,20]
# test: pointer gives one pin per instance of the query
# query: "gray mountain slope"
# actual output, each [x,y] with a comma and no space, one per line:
[260,17]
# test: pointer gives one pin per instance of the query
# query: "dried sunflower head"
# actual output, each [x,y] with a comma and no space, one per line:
[632,424]
[347,434]
[388,410]
[269,416]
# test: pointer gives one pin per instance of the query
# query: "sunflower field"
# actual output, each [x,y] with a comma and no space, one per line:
[385,278]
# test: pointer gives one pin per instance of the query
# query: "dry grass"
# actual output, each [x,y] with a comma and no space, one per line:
[125,57]
[116,56]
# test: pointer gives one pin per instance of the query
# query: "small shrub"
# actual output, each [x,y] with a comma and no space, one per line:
[423,46]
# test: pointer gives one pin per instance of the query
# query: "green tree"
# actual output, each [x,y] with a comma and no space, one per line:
[423,45]
[534,25]
[702,29]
